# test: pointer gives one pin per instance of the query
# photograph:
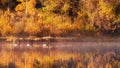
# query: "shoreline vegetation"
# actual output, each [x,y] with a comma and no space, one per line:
[59,18]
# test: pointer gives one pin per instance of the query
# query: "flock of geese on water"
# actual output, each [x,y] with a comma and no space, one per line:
[17,42]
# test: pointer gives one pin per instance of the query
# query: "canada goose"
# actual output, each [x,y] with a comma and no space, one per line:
[28,45]
[46,45]
[15,45]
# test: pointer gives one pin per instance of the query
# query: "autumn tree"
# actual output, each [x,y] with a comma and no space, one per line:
[10,4]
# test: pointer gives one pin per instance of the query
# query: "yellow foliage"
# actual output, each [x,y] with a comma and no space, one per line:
[55,17]
[108,66]
[5,27]
[32,28]
[106,8]
[4,1]
[20,7]
[65,7]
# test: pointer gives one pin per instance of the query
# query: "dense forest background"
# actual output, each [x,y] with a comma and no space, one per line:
[59,17]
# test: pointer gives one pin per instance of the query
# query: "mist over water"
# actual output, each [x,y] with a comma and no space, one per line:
[77,47]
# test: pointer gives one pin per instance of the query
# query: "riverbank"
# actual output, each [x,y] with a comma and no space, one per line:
[66,39]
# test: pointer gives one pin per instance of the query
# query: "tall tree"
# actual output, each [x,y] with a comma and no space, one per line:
[73,9]
[10,4]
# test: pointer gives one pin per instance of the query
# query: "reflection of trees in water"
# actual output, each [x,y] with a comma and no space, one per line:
[39,58]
